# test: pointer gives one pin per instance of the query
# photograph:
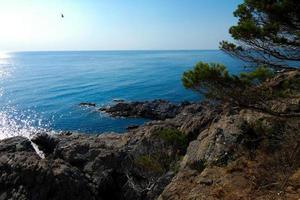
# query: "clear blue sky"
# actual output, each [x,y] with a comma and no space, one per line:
[114,24]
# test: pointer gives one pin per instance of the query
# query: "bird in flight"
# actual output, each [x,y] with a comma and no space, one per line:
[62,15]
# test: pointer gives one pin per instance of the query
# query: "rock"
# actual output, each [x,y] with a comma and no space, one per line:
[160,184]
[45,142]
[118,100]
[67,133]
[132,127]
[15,144]
[103,167]
[157,109]
[218,164]
[215,145]
[206,181]
[25,176]
[87,104]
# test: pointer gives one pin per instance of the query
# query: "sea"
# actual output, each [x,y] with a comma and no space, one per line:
[41,91]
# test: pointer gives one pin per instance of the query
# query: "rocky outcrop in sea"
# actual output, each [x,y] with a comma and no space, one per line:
[155,110]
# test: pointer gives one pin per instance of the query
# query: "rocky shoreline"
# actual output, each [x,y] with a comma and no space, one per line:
[191,151]
[135,165]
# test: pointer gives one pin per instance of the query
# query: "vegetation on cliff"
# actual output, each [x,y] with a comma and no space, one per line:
[246,90]
[268,34]
[253,150]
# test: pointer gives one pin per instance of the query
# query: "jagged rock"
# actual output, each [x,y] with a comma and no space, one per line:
[24,175]
[206,181]
[132,127]
[83,166]
[239,157]
[157,109]
[87,104]
[15,144]
[118,100]
[45,142]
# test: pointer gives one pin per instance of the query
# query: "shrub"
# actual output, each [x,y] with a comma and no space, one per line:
[175,165]
[251,134]
[149,163]
[255,132]
[257,76]
[158,162]
[289,88]
[174,137]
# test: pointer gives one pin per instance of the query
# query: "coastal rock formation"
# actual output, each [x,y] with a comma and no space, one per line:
[24,175]
[202,151]
[209,155]
[247,155]
[135,165]
[88,104]
[156,109]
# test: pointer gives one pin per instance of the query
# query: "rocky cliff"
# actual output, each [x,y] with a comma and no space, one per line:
[198,151]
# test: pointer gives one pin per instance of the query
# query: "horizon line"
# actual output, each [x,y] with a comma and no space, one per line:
[20,51]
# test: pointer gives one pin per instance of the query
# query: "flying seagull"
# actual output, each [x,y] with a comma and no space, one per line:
[62,15]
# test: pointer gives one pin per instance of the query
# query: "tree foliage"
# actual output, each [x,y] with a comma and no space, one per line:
[214,81]
[211,80]
[267,32]
[268,35]
[257,76]
[248,90]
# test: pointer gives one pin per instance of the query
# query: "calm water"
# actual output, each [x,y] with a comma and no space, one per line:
[43,89]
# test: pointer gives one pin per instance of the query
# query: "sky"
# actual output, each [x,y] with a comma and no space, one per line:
[37,25]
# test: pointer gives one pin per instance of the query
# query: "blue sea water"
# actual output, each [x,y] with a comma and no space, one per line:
[42,90]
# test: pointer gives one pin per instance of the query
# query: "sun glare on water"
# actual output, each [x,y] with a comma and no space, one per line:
[4,56]
[11,122]
[5,68]
[5,65]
